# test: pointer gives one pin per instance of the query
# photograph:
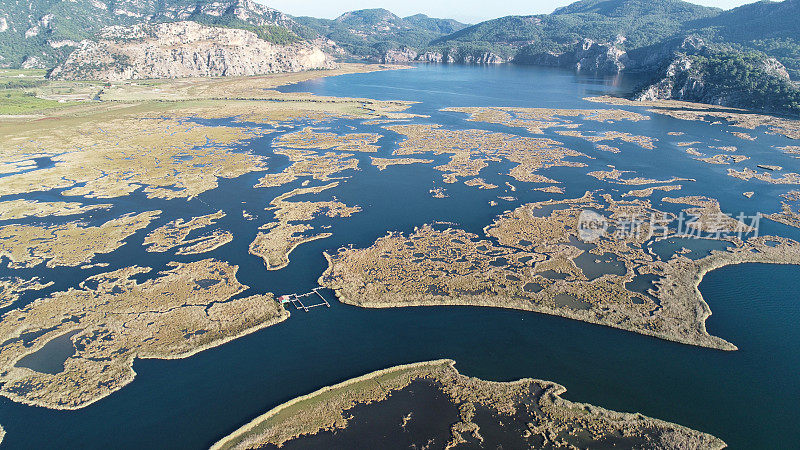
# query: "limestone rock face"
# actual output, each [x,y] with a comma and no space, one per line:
[185,49]
[678,83]
[586,56]
[482,58]
[453,56]
[683,81]
[401,55]
[591,56]
[27,27]
[435,57]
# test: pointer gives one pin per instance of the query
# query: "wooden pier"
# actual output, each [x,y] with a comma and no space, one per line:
[297,300]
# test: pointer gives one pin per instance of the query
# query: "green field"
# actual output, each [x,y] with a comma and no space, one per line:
[19,89]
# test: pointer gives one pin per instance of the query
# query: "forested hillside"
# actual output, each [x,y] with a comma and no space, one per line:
[370,33]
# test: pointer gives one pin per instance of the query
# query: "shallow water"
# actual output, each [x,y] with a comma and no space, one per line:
[431,415]
[748,398]
[51,358]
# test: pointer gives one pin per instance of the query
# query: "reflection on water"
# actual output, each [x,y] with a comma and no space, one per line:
[691,248]
[642,283]
[569,301]
[595,266]
[418,416]
[52,356]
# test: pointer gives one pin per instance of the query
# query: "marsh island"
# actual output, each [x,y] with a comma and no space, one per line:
[432,404]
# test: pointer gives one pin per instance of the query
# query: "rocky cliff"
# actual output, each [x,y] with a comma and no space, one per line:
[41,33]
[724,77]
[400,55]
[679,82]
[586,55]
[447,56]
[185,49]
[461,57]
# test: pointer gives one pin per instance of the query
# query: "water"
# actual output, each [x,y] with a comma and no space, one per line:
[748,397]
[382,422]
[51,358]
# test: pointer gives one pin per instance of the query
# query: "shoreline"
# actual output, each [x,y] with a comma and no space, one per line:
[225,442]
[21,400]
[673,293]
[459,388]
[290,104]
[152,92]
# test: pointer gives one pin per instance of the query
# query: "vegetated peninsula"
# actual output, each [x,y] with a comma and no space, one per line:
[111,319]
[430,404]
[541,265]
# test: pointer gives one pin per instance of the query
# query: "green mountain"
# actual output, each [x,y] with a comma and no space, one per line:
[770,27]
[370,33]
[39,33]
[744,57]
[438,26]
[626,9]
[641,22]
[723,76]
[756,21]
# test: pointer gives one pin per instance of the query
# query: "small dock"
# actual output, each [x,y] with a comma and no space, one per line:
[312,300]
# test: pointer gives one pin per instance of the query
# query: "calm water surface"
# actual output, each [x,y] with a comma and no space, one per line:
[749,398]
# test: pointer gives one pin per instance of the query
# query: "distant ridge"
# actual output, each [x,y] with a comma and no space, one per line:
[372,33]
[639,8]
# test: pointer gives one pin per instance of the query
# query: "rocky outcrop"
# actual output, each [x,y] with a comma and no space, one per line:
[773,67]
[33,62]
[185,49]
[687,77]
[457,56]
[401,55]
[679,82]
[482,58]
[435,57]
[604,58]
[28,27]
[586,55]
[654,57]
[449,56]
[246,10]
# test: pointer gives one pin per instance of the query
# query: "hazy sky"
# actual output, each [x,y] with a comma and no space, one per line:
[471,11]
